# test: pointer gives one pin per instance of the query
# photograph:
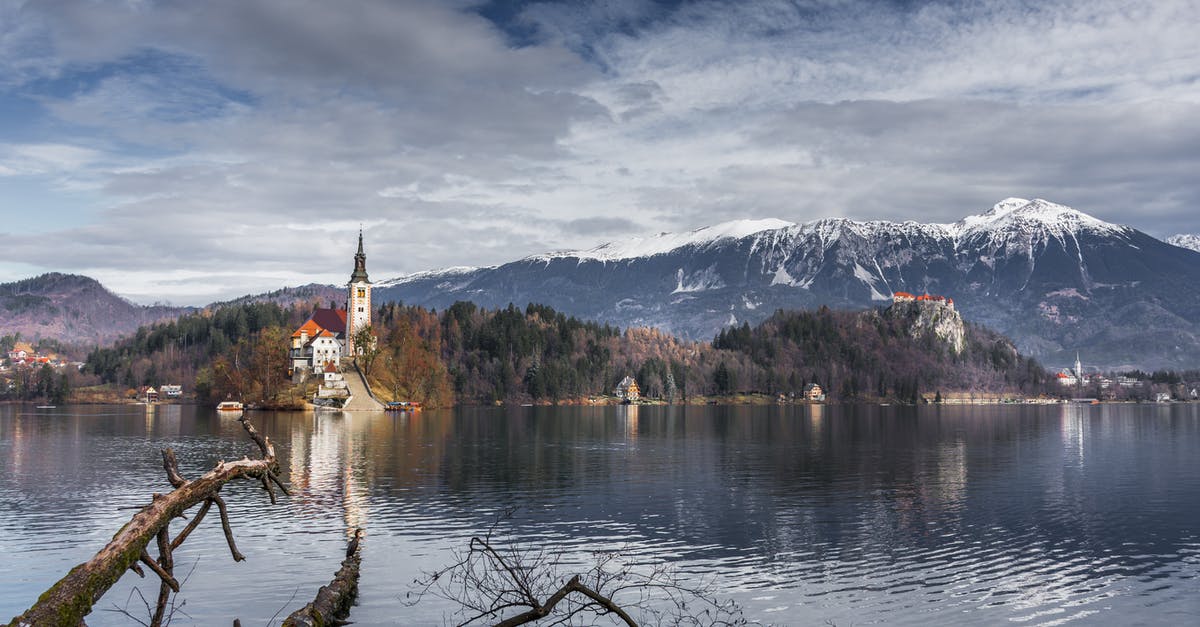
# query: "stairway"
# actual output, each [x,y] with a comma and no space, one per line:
[360,394]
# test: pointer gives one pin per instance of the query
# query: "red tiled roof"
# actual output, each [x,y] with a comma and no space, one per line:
[332,319]
[309,327]
[321,321]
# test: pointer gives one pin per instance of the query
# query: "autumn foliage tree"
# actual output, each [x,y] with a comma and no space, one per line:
[408,366]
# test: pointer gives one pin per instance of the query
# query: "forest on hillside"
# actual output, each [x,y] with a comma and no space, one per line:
[471,355]
[210,352]
[873,354]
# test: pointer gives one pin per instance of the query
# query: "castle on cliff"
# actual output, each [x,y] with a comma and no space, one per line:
[905,297]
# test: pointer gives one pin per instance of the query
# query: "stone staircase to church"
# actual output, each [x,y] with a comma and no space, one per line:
[361,398]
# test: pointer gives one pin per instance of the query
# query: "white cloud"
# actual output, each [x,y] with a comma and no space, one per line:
[38,159]
[260,135]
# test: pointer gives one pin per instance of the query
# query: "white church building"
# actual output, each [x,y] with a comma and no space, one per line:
[328,334]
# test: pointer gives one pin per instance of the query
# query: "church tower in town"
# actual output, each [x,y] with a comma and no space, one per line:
[358,300]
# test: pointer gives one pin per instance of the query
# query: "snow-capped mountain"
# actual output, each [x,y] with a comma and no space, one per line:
[1185,240]
[1054,279]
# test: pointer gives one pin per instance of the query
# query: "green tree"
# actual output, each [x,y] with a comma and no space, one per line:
[366,348]
[46,383]
[62,391]
[724,379]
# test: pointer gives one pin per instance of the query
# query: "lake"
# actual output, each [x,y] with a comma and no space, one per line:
[975,515]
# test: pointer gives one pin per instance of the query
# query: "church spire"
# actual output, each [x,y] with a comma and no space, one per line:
[360,263]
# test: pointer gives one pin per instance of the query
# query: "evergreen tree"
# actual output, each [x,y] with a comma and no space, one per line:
[62,391]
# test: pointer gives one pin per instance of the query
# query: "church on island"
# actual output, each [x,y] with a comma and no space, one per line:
[327,337]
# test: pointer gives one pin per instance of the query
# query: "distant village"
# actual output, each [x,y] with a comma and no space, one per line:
[27,373]
[1161,386]
[30,373]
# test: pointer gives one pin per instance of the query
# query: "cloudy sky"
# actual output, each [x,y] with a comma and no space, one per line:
[186,151]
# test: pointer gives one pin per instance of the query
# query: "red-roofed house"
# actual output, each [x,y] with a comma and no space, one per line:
[20,351]
[319,341]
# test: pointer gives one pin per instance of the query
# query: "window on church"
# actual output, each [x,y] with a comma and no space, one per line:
[362,292]
[360,310]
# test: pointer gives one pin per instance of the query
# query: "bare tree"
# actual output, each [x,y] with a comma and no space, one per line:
[517,585]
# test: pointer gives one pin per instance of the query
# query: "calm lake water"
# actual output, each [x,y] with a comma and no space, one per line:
[859,515]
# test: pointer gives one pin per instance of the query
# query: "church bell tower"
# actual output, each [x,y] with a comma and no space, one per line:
[358,299]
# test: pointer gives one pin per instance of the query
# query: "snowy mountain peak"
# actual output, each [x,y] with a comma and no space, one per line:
[1185,240]
[452,271]
[1019,214]
[666,242]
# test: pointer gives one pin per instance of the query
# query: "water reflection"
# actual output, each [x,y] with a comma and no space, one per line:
[805,513]
[1075,420]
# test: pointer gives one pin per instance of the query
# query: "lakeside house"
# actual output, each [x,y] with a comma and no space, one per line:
[149,394]
[170,391]
[627,389]
[813,392]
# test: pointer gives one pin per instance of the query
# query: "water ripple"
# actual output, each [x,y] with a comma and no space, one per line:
[972,516]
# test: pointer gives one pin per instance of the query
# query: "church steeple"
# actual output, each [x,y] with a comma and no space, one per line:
[360,263]
[358,299]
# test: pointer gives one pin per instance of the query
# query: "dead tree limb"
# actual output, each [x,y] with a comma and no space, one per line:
[169,584]
[332,605]
[517,585]
[67,602]
[543,610]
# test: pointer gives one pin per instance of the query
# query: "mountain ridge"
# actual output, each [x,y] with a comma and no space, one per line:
[73,308]
[1054,278]
[1189,241]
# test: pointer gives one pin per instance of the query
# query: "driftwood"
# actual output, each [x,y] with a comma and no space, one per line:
[332,605]
[68,601]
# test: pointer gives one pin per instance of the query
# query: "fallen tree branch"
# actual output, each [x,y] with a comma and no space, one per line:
[67,602]
[543,610]
[511,585]
[332,605]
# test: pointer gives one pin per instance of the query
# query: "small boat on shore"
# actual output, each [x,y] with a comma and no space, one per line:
[229,406]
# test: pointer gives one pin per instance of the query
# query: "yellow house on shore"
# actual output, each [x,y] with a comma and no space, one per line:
[627,390]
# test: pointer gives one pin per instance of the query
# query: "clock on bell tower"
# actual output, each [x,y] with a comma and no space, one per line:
[358,300]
